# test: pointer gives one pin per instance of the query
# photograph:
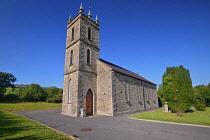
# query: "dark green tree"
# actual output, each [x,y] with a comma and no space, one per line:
[177,88]
[160,93]
[6,80]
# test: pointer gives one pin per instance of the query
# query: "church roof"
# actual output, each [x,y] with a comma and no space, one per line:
[125,71]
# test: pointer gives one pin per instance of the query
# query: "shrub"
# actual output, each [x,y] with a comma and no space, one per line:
[49,100]
[1,96]
[200,107]
[176,107]
[10,97]
[55,99]
[179,107]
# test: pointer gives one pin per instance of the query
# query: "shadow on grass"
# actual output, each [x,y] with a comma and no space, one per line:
[26,138]
[189,111]
[11,125]
[17,101]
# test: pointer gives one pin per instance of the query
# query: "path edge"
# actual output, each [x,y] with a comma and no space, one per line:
[169,122]
[74,138]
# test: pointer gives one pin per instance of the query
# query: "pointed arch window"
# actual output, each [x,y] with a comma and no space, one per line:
[127,93]
[88,56]
[72,34]
[138,92]
[89,33]
[71,58]
[70,91]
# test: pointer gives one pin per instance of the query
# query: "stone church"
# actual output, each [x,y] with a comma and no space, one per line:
[94,86]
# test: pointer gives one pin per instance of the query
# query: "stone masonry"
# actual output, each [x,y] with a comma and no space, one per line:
[95,86]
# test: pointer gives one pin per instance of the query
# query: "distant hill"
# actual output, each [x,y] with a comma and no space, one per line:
[19,86]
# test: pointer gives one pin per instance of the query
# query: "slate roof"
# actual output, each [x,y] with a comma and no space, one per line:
[125,71]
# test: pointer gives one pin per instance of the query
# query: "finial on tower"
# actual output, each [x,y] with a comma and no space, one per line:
[70,18]
[89,14]
[97,19]
[81,10]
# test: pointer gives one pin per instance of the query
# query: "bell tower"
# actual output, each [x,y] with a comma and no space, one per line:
[82,52]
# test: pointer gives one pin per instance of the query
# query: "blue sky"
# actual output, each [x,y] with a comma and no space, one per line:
[144,36]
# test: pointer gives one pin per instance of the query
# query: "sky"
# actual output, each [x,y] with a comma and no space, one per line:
[143,36]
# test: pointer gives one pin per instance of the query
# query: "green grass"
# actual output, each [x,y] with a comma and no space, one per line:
[29,106]
[196,117]
[16,127]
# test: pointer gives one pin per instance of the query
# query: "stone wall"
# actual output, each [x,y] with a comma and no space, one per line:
[94,54]
[86,81]
[130,94]
[85,24]
[70,108]
[104,89]
[75,66]
[75,23]
[83,75]
[150,94]
[80,44]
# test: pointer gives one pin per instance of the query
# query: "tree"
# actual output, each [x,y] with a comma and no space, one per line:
[20,92]
[202,94]
[54,94]
[6,80]
[207,95]
[160,93]
[34,92]
[198,92]
[177,88]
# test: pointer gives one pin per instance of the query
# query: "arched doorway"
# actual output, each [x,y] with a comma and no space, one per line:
[89,103]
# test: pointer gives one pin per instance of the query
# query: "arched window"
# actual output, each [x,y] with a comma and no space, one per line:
[71,58]
[88,56]
[72,34]
[89,33]
[138,92]
[127,93]
[70,91]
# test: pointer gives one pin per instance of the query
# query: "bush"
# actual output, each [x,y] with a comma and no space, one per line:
[179,107]
[10,97]
[49,100]
[54,100]
[200,107]
[1,96]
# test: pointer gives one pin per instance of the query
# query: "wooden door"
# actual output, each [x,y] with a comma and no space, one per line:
[89,103]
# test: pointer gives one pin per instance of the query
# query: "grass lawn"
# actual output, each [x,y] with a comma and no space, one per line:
[13,126]
[16,127]
[28,106]
[196,117]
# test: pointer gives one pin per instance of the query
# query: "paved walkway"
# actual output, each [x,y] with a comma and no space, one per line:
[116,128]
